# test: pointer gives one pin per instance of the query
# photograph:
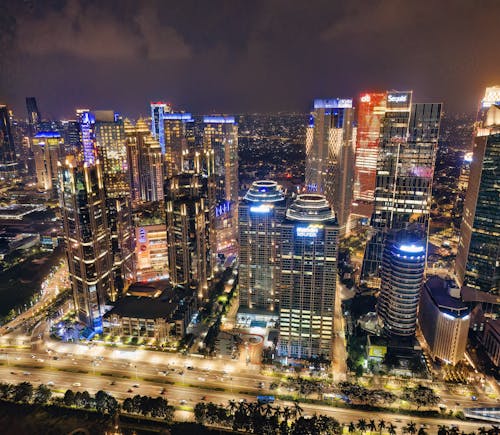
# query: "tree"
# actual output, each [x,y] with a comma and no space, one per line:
[391,429]
[128,406]
[420,396]
[69,398]
[361,425]
[372,426]
[5,390]
[443,429]
[42,394]
[381,425]
[422,431]
[410,428]
[352,427]
[23,392]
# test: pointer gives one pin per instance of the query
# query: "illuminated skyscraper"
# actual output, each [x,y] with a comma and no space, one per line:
[402,274]
[145,163]
[260,215]
[87,241]
[370,112]
[178,138]
[189,218]
[405,167]
[86,120]
[34,117]
[478,258]
[220,135]
[308,276]
[8,163]
[48,150]
[330,142]
[158,109]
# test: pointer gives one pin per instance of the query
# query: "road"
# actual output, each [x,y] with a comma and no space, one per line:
[126,374]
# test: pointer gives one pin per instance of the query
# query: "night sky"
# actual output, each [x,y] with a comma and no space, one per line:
[238,56]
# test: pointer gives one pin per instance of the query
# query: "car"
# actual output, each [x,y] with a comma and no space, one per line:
[13,373]
[190,367]
[202,379]
[183,402]
[130,390]
[77,384]
[27,374]
[163,391]
[135,385]
[112,383]
[474,398]
[40,360]
[50,384]
[203,398]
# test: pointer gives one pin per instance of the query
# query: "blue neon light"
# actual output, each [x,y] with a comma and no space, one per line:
[218,119]
[178,116]
[260,209]
[333,103]
[309,231]
[411,249]
[47,134]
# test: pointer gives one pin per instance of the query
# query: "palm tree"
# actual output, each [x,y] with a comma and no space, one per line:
[482,430]
[443,430]
[422,431]
[352,427]
[381,425]
[391,429]
[297,410]
[361,425]
[232,406]
[410,428]
[372,426]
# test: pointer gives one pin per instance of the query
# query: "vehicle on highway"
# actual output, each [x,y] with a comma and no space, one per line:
[265,399]
[202,379]
[203,398]
[183,402]
[130,390]
[77,384]
[163,391]
[112,383]
[50,384]
[135,385]
[26,373]
[190,367]
[474,398]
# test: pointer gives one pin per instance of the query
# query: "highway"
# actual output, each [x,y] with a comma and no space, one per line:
[124,377]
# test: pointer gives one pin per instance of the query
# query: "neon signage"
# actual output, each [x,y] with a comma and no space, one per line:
[398,98]
[333,103]
[365,98]
[309,231]
[260,209]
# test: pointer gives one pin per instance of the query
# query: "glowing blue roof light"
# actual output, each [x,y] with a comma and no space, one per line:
[218,119]
[333,103]
[411,249]
[47,134]
[178,116]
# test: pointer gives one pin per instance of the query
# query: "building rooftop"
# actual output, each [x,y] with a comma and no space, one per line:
[439,290]
[144,307]
[265,191]
[310,208]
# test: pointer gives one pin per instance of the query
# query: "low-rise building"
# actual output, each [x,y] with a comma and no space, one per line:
[444,319]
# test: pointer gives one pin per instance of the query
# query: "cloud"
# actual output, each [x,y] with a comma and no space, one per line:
[90,33]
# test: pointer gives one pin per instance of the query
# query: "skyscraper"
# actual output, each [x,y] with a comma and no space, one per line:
[308,275]
[178,137]
[158,110]
[478,258]
[87,241]
[34,117]
[370,112]
[220,135]
[402,274]
[405,167]
[260,215]
[8,164]
[48,150]
[330,142]
[189,225]
[86,120]
[145,163]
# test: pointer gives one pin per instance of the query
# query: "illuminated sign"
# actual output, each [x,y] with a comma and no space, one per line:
[365,98]
[222,209]
[334,103]
[178,116]
[260,209]
[397,98]
[218,119]
[142,235]
[310,231]
[468,157]
[411,249]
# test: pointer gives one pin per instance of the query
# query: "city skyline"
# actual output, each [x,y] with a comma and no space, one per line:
[242,57]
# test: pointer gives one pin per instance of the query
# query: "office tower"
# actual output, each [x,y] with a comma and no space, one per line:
[8,164]
[370,112]
[145,163]
[309,243]
[151,252]
[177,130]
[478,258]
[48,150]
[87,240]
[72,134]
[86,120]
[443,319]
[189,218]
[260,214]
[158,110]
[402,274]
[405,167]
[34,117]
[491,97]
[220,135]
[330,141]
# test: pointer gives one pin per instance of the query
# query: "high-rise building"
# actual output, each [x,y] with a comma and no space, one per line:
[405,167]
[478,258]
[86,119]
[48,150]
[443,319]
[220,135]
[370,112]
[260,214]
[151,252]
[189,219]
[330,142]
[158,110]
[34,117]
[402,275]
[308,275]
[177,130]
[8,163]
[87,241]
[145,163]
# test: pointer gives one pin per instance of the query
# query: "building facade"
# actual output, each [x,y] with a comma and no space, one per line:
[330,151]
[151,252]
[179,138]
[8,162]
[48,150]
[444,320]
[308,275]
[478,258]
[402,276]
[260,215]
[87,241]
